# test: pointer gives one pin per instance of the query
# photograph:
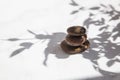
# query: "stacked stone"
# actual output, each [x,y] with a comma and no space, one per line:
[76,40]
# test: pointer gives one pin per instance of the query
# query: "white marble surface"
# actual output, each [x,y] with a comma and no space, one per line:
[31,31]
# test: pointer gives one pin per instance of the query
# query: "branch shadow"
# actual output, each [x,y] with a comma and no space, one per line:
[53,46]
[102,45]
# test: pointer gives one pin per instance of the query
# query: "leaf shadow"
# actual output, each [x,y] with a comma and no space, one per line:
[73,3]
[53,46]
[24,46]
[102,45]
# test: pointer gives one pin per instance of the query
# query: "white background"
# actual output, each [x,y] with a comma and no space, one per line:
[45,17]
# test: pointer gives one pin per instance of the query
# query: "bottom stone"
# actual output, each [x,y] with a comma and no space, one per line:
[70,49]
[74,49]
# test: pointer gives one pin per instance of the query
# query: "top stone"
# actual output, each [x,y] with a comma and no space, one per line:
[76,31]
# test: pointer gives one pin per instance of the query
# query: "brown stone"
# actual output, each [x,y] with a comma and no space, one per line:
[76,30]
[76,40]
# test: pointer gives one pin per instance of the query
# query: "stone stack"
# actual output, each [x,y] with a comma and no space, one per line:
[76,40]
